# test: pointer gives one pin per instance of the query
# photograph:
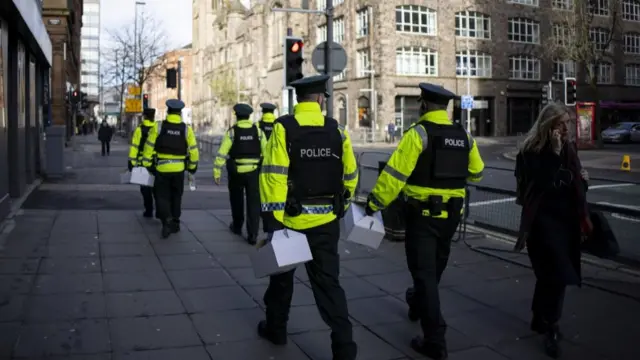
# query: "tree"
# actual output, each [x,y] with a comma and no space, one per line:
[583,39]
[117,70]
[225,87]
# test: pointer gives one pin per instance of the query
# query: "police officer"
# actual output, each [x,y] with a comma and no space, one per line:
[308,176]
[243,144]
[431,166]
[268,117]
[175,148]
[140,135]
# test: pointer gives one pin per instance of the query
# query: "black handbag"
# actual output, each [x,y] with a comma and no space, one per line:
[602,241]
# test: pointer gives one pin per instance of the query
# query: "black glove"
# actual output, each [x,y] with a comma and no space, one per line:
[129,165]
[193,171]
[368,210]
[152,170]
[271,224]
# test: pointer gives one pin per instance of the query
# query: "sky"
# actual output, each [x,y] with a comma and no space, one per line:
[175,16]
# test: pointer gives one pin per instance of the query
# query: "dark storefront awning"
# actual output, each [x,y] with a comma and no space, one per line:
[31,26]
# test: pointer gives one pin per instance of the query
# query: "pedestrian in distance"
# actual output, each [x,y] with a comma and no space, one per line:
[307,179]
[170,149]
[105,134]
[139,139]
[430,167]
[241,150]
[552,188]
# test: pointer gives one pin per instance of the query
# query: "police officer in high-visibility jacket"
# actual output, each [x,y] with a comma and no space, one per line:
[268,117]
[243,145]
[431,166]
[308,176]
[140,135]
[175,148]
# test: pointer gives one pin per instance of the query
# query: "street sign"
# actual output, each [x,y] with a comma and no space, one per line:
[133,90]
[466,102]
[338,58]
[132,106]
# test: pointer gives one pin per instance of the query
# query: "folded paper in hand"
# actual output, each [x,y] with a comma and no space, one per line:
[140,176]
[363,229]
[286,250]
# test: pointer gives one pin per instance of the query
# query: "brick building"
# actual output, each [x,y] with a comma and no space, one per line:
[156,86]
[493,50]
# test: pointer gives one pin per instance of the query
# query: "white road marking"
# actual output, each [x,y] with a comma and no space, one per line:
[620,216]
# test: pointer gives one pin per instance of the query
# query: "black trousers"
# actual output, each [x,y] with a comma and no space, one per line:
[548,301]
[147,198]
[169,188]
[330,298]
[427,246]
[241,185]
[106,147]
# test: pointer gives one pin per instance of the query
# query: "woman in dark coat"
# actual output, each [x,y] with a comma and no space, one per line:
[552,191]
[105,133]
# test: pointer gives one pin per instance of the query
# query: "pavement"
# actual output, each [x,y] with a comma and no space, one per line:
[84,276]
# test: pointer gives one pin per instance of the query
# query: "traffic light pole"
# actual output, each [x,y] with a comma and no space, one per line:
[289,90]
[179,82]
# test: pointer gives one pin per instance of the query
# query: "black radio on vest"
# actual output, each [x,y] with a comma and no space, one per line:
[444,163]
[246,143]
[315,155]
[172,139]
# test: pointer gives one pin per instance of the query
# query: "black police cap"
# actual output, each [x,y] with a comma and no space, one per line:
[175,105]
[267,107]
[316,84]
[149,113]
[242,110]
[435,94]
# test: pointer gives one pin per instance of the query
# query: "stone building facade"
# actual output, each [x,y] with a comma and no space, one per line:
[501,45]
[156,86]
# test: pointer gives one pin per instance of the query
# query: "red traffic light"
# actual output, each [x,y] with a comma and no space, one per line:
[75,93]
[297,46]
[146,96]
[571,82]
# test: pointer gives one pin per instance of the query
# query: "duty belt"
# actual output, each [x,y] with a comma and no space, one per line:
[170,161]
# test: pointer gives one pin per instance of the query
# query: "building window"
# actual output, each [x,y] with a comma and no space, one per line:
[362,23]
[416,61]
[363,63]
[600,39]
[473,25]
[416,20]
[562,4]
[321,34]
[473,63]
[341,77]
[599,7]
[522,30]
[632,74]
[524,2]
[603,73]
[338,32]
[563,68]
[632,43]
[524,68]
[560,34]
[631,10]
[322,4]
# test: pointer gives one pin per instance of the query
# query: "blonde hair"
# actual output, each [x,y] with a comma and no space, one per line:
[538,135]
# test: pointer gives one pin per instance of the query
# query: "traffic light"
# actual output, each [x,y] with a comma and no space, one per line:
[145,101]
[545,95]
[570,91]
[293,59]
[83,100]
[75,97]
[172,78]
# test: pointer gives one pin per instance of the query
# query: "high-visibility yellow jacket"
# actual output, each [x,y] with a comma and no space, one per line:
[275,166]
[135,156]
[165,163]
[243,165]
[393,178]
[269,118]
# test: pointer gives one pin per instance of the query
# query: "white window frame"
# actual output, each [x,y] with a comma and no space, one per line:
[529,31]
[362,23]
[562,4]
[408,59]
[604,75]
[481,28]
[321,4]
[341,77]
[560,34]
[534,3]
[338,32]
[631,10]
[363,63]
[632,74]
[602,8]
[598,37]
[632,43]
[481,64]
[321,34]
[427,20]
[562,68]
[522,67]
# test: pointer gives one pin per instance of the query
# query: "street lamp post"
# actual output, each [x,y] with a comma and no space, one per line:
[135,44]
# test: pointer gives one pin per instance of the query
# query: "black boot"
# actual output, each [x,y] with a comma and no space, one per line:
[541,327]
[552,342]
[175,226]
[235,230]
[252,240]
[409,296]
[430,350]
[147,214]
[270,335]
[166,229]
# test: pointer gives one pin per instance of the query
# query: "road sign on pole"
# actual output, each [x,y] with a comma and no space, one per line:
[338,58]
[466,102]
[133,90]
[132,105]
